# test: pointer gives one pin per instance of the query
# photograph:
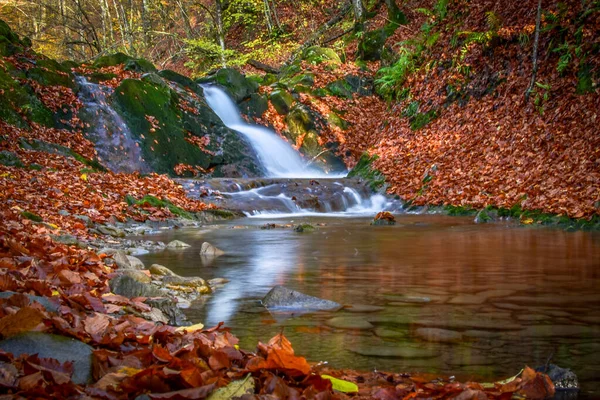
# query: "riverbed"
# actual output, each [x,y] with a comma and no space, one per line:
[445,296]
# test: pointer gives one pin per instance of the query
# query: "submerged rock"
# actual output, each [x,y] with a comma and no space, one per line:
[349,323]
[394,352]
[209,250]
[304,228]
[57,347]
[125,261]
[438,335]
[384,218]
[282,298]
[170,310]
[110,231]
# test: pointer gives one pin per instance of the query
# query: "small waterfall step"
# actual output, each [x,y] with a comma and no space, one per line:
[277,156]
[277,196]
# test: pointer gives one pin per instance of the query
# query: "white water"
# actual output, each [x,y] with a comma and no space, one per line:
[277,156]
[112,138]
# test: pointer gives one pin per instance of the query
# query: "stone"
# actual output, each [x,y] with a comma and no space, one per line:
[217,281]
[282,101]
[209,250]
[304,228]
[563,378]
[107,251]
[183,281]
[129,287]
[110,231]
[69,240]
[349,323]
[156,315]
[282,298]
[389,333]
[46,302]
[57,347]
[157,269]
[177,244]
[138,275]
[393,351]
[137,251]
[170,310]
[481,297]
[86,220]
[438,335]
[363,308]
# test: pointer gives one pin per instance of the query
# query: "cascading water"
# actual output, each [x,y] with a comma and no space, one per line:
[276,155]
[114,142]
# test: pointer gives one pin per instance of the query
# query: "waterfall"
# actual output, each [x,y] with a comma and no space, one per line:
[113,140]
[277,156]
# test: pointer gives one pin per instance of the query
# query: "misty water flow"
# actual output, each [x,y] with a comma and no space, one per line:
[277,156]
[114,142]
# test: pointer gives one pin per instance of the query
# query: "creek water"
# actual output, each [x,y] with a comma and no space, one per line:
[510,295]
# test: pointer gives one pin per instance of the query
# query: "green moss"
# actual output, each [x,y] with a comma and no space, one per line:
[282,101]
[364,169]
[139,65]
[422,119]
[32,216]
[317,55]
[340,88]
[370,48]
[21,99]
[336,120]
[459,210]
[156,202]
[51,73]
[585,81]
[238,86]
[111,60]
[166,146]
[224,214]
[178,78]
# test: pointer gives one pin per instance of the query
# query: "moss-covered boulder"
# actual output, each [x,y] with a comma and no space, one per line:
[282,101]
[19,100]
[364,169]
[254,106]
[371,47]
[10,159]
[9,41]
[111,60]
[340,88]
[317,55]
[139,65]
[51,73]
[238,86]
[168,134]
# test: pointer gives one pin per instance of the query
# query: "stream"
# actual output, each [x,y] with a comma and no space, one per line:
[432,294]
[511,295]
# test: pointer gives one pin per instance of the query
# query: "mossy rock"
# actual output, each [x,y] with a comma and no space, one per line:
[237,85]
[8,47]
[140,65]
[10,159]
[254,106]
[336,120]
[300,121]
[98,77]
[340,88]
[51,73]
[282,101]
[8,33]
[165,147]
[155,80]
[371,47]
[31,216]
[364,169]
[306,79]
[177,78]
[364,86]
[317,55]
[19,99]
[111,60]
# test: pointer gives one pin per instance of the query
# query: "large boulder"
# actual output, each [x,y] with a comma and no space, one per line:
[238,86]
[130,287]
[57,347]
[281,298]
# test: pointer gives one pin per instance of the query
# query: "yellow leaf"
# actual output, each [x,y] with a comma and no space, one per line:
[83,177]
[527,221]
[129,371]
[55,293]
[341,385]
[53,226]
[236,346]
[193,328]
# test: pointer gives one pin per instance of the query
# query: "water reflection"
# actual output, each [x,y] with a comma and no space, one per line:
[513,295]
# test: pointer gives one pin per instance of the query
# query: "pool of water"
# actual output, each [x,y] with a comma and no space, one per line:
[510,295]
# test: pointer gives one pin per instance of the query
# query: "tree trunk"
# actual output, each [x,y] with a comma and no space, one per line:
[534,58]
[145,14]
[359,15]
[187,26]
[220,30]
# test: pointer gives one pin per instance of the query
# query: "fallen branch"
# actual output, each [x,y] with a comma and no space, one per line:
[536,42]
[263,66]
